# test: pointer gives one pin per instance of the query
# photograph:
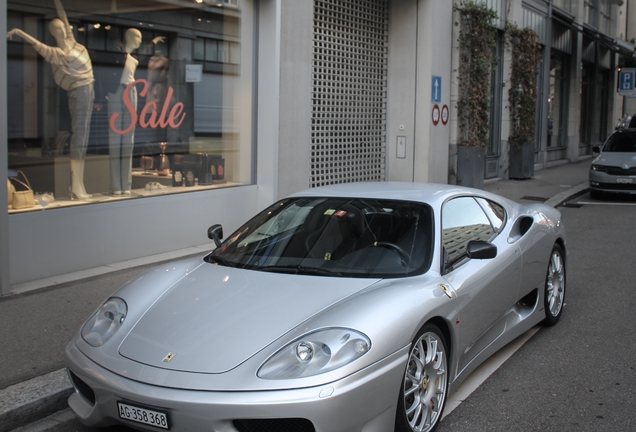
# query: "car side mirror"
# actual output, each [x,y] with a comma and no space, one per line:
[215,232]
[596,149]
[479,249]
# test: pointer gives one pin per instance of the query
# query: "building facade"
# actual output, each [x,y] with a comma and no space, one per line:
[140,123]
[582,42]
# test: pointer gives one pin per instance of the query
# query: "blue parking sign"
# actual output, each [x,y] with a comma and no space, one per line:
[626,78]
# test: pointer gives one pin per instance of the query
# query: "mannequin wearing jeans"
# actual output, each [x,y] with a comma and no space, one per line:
[73,71]
[121,145]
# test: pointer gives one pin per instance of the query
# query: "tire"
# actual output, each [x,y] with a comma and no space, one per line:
[425,383]
[554,291]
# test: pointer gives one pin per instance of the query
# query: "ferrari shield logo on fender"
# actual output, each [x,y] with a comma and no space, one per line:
[169,357]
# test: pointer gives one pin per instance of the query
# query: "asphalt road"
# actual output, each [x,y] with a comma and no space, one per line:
[581,374]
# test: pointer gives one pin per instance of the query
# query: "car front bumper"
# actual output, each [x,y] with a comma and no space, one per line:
[364,401]
[603,182]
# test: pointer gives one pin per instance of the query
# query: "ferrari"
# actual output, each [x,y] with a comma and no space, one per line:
[357,307]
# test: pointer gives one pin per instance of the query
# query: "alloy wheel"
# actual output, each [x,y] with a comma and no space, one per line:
[425,383]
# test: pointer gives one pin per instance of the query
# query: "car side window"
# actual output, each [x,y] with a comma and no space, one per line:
[463,220]
[494,211]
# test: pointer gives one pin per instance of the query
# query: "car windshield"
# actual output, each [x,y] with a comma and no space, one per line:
[334,237]
[621,142]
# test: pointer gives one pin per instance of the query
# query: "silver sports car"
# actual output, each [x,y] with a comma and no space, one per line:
[349,308]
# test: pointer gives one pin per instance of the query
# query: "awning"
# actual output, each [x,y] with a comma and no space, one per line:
[623,47]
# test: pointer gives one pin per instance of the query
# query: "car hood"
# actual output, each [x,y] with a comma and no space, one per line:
[217,317]
[617,159]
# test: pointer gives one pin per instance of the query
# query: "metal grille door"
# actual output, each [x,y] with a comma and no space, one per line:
[348,137]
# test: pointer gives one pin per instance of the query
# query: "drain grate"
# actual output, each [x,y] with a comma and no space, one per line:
[533,198]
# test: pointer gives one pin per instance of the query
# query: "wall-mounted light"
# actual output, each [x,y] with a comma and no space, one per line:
[97,25]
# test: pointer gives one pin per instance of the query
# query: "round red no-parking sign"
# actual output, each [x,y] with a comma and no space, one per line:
[436,114]
[445,114]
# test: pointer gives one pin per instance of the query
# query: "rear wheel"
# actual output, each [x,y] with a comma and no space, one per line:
[425,383]
[554,296]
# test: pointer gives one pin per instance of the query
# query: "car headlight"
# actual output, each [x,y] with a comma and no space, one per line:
[596,167]
[316,353]
[105,322]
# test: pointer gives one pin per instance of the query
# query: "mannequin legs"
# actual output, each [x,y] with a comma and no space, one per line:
[77,180]
[121,145]
[80,102]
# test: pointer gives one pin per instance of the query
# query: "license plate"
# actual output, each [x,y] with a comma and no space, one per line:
[625,180]
[143,415]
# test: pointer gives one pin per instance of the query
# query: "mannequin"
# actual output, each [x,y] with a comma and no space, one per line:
[73,71]
[121,145]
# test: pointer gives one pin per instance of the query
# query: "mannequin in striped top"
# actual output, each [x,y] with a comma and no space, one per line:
[73,71]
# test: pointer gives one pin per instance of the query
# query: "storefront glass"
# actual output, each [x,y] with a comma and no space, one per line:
[111,100]
[602,102]
[557,100]
[566,5]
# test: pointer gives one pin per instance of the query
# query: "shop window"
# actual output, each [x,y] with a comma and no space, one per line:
[558,100]
[598,14]
[496,80]
[566,5]
[587,102]
[602,102]
[216,50]
[149,98]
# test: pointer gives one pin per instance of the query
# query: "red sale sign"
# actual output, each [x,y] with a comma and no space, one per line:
[150,115]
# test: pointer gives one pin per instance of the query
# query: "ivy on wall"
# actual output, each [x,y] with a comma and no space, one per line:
[522,95]
[477,42]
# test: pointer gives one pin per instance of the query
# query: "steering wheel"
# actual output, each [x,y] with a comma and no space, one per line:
[404,256]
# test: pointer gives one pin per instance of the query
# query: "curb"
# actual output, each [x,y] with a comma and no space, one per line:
[31,400]
[562,197]
[39,405]
[57,422]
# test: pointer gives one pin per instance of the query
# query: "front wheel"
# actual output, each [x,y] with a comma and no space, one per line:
[425,383]
[554,292]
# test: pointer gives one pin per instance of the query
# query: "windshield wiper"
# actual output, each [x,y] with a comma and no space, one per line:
[298,269]
[221,261]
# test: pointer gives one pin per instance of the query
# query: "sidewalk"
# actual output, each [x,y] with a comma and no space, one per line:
[36,326]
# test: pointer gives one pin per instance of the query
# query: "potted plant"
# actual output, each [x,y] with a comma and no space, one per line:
[522,95]
[477,41]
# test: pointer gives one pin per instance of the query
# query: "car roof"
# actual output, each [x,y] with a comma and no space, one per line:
[628,131]
[431,193]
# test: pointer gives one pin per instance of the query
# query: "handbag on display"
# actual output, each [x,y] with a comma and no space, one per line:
[10,190]
[22,199]
[147,162]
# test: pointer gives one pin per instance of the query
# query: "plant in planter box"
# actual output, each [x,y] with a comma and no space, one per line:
[477,41]
[522,95]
